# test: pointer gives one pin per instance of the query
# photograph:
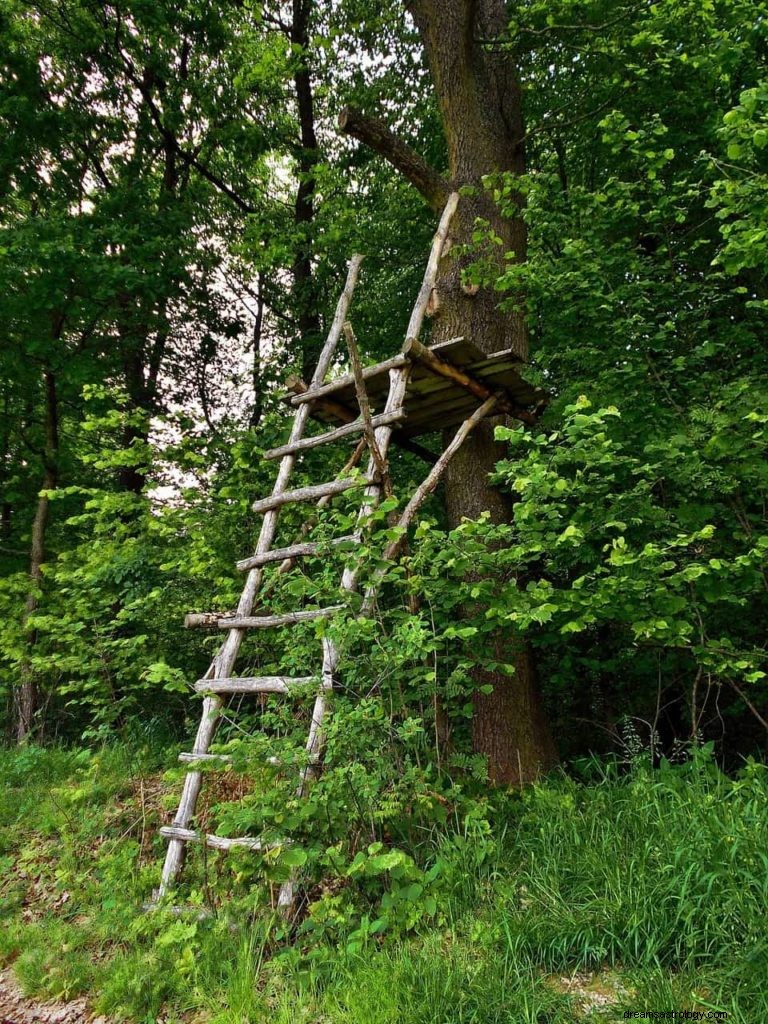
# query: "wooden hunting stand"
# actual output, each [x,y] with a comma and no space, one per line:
[419,391]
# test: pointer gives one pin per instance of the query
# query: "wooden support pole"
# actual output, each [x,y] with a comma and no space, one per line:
[365,409]
[430,482]
[420,495]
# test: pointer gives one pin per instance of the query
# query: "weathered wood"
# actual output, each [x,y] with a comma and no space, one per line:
[224,759]
[355,427]
[415,350]
[376,376]
[430,275]
[311,493]
[339,318]
[189,835]
[326,406]
[434,401]
[191,757]
[294,551]
[398,379]
[202,620]
[365,409]
[443,368]
[275,621]
[432,479]
[319,393]
[287,564]
[223,663]
[219,621]
[253,684]
[421,493]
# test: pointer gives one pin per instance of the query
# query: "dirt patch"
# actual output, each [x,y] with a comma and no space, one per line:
[591,992]
[15,1008]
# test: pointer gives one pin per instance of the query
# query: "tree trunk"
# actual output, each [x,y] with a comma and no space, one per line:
[307,155]
[481,107]
[256,370]
[27,698]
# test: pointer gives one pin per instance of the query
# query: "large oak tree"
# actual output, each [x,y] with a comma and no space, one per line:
[479,97]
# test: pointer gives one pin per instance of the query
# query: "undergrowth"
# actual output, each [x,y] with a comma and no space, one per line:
[655,877]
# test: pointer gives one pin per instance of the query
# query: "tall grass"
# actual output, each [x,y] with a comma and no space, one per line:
[659,876]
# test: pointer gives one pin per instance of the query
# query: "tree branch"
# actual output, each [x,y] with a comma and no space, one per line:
[374,133]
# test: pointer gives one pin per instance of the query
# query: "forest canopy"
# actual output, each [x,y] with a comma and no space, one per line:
[542,751]
[177,207]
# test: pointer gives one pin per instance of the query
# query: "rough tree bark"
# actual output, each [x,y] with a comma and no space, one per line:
[481,107]
[307,155]
[27,693]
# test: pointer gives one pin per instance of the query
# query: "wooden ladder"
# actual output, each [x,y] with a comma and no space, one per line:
[220,680]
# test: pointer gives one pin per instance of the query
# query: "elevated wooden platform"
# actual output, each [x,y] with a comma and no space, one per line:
[419,391]
[433,401]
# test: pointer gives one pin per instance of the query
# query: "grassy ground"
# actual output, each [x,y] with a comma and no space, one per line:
[642,891]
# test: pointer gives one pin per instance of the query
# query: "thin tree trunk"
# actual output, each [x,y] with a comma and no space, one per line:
[28,691]
[304,286]
[258,326]
[5,505]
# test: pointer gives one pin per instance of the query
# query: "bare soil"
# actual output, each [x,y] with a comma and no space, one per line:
[16,1008]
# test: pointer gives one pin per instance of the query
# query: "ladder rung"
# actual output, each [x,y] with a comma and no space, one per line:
[191,758]
[259,621]
[320,391]
[254,684]
[270,621]
[311,493]
[226,759]
[189,835]
[198,620]
[294,551]
[330,436]
[177,910]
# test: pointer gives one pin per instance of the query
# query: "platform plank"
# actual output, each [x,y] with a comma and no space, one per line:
[432,402]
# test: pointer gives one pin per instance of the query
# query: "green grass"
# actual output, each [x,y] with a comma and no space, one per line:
[657,879]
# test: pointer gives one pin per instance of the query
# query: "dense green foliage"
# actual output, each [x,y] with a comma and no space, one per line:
[654,880]
[642,538]
[175,223]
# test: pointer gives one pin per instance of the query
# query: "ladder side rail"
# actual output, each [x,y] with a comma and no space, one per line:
[337,325]
[430,275]
[371,496]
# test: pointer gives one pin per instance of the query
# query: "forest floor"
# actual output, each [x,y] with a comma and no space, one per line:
[642,891]
[16,1008]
